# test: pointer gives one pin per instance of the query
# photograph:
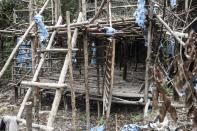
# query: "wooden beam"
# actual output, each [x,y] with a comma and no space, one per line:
[20,42]
[56,50]
[47,85]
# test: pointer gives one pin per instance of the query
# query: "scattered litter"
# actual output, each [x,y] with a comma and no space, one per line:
[43,33]
[130,127]
[98,128]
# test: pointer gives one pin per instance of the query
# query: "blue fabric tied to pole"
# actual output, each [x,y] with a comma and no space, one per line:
[140,12]
[110,31]
[173,3]
[43,33]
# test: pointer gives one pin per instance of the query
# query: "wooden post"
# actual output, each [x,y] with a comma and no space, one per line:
[110,15]
[71,71]
[85,42]
[57,9]
[112,75]
[29,116]
[52,12]
[30,11]
[58,93]
[84,9]
[34,46]
[80,5]
[98,82]
[20,42]
[186,5]
[95,4]
[149,49]
[125,61]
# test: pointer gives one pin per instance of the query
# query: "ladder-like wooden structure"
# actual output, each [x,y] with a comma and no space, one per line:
[109,78]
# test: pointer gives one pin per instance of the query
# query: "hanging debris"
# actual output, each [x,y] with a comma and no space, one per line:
[140,13]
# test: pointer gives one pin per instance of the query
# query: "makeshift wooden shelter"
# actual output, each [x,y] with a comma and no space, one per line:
[108,67]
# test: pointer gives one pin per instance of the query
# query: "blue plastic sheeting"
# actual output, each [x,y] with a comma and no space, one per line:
[99,128]
[171,47]
[43,33]
[93,60]
[110,31]
[23,55]
[140,12]
[173,3]
[130,127]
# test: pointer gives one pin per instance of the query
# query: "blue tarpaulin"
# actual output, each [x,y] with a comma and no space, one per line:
[130,127]
[99,128]
[23,54]
[43,33]
[173,3]
[140,12]
[110,31]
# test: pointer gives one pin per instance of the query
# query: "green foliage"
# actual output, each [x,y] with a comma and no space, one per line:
[135,117]
[101,121]
[70,5]
[6,11]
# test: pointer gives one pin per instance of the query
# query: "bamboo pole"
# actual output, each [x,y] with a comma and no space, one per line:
[149,49]
[85,43]
[110,15]
[71,72]
[170,30]
[30,11]
[48,85]
[29,116]
[112,76]
[20,42]
[35,77]
[58,93]
[84,9]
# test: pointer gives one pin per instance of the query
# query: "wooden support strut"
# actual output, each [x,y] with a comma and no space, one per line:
[58,93]
[35,77]
[43,85]
[170,30]
[20,42]
[73,101]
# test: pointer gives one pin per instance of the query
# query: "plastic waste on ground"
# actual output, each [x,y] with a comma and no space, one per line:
[98,128]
